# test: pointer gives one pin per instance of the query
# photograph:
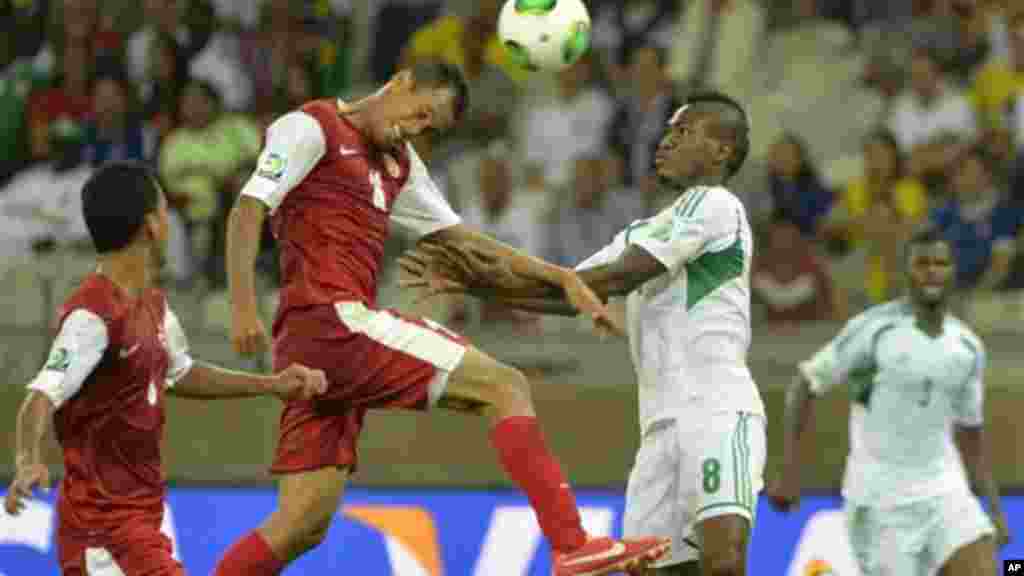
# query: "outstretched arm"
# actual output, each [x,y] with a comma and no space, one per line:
[209,382]
[520,280]
[189,379]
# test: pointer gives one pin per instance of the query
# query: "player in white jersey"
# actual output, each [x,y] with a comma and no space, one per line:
[915,375]
[686,273]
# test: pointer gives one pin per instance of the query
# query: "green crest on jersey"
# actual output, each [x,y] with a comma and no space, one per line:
[59,360]
[535,6]
[519,55]
[711,270]
[576,43]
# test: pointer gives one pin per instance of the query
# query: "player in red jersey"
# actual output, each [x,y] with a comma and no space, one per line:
[119,350]
[332,177]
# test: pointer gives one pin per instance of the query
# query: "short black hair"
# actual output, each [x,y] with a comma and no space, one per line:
[923,236]
[115,201]
[731,118]
[441,75]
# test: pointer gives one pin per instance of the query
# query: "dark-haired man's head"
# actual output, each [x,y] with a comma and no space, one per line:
[429,97]
[708,140]
[930,267]
[124,209]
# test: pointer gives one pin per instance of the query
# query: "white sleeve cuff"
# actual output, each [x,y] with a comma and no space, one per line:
[49,384]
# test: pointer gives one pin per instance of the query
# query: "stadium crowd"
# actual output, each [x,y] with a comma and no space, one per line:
[869,117]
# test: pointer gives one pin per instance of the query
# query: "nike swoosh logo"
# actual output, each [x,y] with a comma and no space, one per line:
[347,151]
[130,351]
[616,549]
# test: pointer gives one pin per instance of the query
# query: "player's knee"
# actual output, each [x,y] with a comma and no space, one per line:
[513,387]
[304,526]
[728,560]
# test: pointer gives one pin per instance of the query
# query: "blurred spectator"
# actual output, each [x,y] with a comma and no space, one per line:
[1000,83]
[501,209]
[23,27]
[576,123]
[43,202]
[715,44]
[68,99]
[200,164]
[589,216]
[621,27]
[168,76]
[469,40]
[393,24]
[875,214]
[639,123]
[790,282]
[798,195]
[188,22]
[511,215]
[980,222]
[113,133]
[16,83]
[930,106]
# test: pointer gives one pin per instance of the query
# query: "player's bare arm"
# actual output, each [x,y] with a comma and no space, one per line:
[245,227]
[970,441]
[29,469]
[209,382]
[495,266]
[499,273]
[784,493]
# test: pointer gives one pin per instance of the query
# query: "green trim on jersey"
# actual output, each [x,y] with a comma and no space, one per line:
[711,270]
[977,353]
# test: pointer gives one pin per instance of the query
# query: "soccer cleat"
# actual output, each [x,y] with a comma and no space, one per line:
[606,556]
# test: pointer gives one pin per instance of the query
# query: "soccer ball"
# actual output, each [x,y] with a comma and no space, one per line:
[545,34]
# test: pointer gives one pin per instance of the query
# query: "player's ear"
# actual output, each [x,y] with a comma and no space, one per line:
[402,81]
[723,152]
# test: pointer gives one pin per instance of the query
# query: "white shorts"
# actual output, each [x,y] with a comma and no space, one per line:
[916,539]
[692,469]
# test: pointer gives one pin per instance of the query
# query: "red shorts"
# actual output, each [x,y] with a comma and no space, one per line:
[132,549]
[373,359]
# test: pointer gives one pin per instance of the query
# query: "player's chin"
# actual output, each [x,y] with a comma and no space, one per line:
[933,294]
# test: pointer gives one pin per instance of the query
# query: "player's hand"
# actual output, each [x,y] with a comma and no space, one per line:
[582,298]
[248,336]
[784,495]
[1002,530]
[298,382]
[27,477]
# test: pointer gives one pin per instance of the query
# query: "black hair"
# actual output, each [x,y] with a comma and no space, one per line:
[115,202]
[731,118]
[440,75]
[924,236]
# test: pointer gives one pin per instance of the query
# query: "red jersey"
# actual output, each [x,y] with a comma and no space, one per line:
[332,197]
[106,375]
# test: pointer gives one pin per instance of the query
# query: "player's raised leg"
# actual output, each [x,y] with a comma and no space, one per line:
[485,386]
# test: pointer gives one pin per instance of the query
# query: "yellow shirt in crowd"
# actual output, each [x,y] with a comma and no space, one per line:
[910,202]
[994,88]
[442,39]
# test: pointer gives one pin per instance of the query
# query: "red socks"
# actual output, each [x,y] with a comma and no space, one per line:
[524,455]
[250,556]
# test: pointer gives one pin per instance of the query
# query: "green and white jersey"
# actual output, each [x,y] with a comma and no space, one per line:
[908,390]
[689,329]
